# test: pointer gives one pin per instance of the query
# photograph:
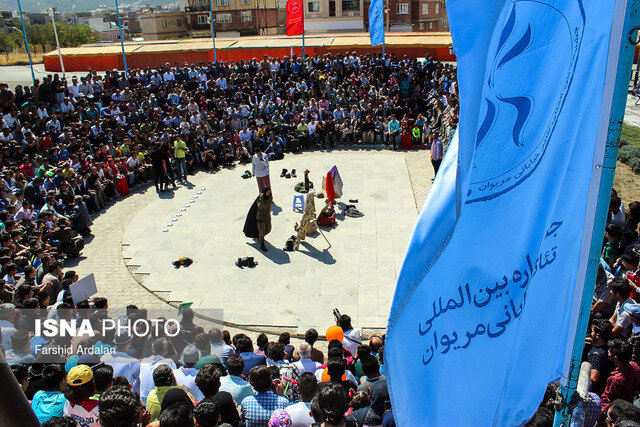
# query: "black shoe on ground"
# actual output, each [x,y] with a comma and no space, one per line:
[263,248]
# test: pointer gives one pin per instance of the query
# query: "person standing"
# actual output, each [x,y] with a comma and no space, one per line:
[436,154]
[159,165]
[260,169]
[180,153]
[263,216]
[258,222]
[166,157]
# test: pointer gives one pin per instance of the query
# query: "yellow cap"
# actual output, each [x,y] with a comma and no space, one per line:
[79,375]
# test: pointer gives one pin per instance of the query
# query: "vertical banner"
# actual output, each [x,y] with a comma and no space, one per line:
[480,320]
[376,22]
[295,17]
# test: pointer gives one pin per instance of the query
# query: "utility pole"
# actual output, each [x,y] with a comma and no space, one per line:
[52,10]
[26,43]
[213,33]
[124,56]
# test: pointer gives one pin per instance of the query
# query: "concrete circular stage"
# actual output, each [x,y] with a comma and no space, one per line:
[296,290]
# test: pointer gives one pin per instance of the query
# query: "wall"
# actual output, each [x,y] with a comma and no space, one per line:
[260,19]
[152,25]
[142,60]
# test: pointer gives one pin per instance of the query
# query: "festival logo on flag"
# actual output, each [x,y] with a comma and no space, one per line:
[525,106]
[486,295]
[295,17]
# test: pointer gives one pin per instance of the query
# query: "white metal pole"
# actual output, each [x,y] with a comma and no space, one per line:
[55,33]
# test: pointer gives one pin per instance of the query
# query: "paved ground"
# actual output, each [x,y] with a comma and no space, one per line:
[632,114]
[21,74]
[213,225]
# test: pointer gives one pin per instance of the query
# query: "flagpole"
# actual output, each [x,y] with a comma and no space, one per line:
[303,54]
[26,43]
[55,33]
[608,167]
[124,56]
[213,34]
[384,12]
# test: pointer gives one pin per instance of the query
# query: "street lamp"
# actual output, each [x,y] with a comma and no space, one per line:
[52,11]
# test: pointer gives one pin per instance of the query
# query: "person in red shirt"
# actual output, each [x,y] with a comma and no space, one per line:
[27,168]
[624,381]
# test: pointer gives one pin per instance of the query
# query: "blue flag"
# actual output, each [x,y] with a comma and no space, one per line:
[376,22]
[491,282]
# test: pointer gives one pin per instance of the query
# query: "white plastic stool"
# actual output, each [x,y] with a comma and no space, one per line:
[298,201]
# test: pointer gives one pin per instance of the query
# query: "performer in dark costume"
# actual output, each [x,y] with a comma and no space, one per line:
[258,222]
[159,165]
[169,177]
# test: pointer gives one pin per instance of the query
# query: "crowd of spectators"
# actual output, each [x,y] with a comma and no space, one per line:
[70,148]
[189,376]
[612,346]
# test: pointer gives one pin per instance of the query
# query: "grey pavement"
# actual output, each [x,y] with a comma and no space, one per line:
[131,254]
[21,74]
[632,113]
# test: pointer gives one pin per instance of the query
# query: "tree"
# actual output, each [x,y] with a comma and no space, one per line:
[6,44]
[68,35]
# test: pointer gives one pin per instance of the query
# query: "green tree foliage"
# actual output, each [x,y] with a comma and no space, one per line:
[42,35]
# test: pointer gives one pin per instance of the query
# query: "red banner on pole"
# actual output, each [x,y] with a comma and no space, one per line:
[295,17]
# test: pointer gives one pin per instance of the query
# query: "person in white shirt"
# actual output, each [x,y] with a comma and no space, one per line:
[79,406]
[169,77]
[74,88]
[260,169]
[218,347]
[6,135]
[351,339]
[305,364]
[299,412]
[222,82]
[42,112]
[65,106]
[85,87]
[10,120]
[54,123]
[245,135]
[122,363]
[160,349]
[313,127]
[186,374]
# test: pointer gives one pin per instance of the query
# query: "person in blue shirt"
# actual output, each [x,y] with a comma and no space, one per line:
[244,348]
[122,363]
[393,130]
[20,352]
[49,402]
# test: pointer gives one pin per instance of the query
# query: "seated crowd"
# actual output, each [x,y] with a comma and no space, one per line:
[193,377]
[69,149]
[173,120]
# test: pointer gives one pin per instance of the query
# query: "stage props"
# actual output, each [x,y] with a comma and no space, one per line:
[308,222]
